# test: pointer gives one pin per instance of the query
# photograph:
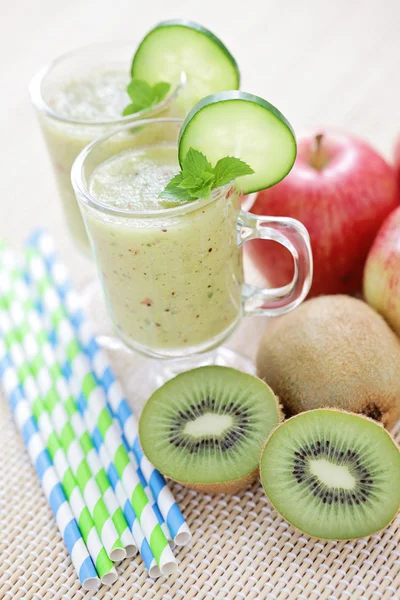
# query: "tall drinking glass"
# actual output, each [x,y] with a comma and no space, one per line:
[173,276]
[79,97]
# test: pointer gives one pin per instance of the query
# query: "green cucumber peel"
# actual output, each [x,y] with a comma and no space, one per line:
[195,27]
[189,57]
[236,123]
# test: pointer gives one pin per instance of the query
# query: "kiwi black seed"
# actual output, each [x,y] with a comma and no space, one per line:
[205,428]
[332,474]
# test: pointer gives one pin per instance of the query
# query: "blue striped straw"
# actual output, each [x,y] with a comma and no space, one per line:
[72,372]
[120,493]
[148,491]
[49,480]
[24,370]
[50,377]
[98,442]
[119,406]
[144,548]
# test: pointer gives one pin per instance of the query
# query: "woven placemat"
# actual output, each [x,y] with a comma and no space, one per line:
[241,549]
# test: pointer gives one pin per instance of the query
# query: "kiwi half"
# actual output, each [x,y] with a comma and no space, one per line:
[205,428]
[332,474]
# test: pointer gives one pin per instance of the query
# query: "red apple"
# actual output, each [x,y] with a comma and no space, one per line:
[382,271]
[341,189]
[397,161]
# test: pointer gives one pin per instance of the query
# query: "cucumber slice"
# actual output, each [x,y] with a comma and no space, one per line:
[247,127]
[173,47]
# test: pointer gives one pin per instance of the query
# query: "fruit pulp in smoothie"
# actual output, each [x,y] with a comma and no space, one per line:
[83,104]
[172,277]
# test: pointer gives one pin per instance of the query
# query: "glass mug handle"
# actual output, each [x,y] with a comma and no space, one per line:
[292,235]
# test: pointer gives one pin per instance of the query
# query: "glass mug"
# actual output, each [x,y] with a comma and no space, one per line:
[173,278]
[65,136]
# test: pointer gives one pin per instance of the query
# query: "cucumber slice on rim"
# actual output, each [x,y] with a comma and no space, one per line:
[176,46]
[247,127]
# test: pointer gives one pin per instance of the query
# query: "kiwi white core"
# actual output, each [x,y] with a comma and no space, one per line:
[333,476]
[208,424]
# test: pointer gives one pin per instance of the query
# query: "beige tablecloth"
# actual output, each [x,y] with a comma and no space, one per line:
[331,63]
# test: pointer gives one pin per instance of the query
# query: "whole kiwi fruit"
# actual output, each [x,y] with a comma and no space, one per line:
[333,351]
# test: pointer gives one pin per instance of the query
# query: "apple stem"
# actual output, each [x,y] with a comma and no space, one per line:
[318,159]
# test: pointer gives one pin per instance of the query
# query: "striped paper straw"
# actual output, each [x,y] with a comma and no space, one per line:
[112,473]
[144,548]
[50,374]
[19,335]
[148,492]
[169,509]
[114,478]
[49,479]
[96,402]
[104,565]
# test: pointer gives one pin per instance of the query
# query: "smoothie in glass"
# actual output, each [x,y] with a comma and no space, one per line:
[86,93]
[100,96]
[172,276]
[172,271]
[78,98]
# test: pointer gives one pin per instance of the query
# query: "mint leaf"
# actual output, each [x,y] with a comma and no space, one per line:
[160,90]
[198,177]
[204,192]
[175,182]
[192,182]
[173,191]
[176,194]
[143,95]
[140,92]
[131,109]
[229,168]
[196,164]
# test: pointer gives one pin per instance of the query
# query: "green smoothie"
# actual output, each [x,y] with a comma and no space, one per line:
[172,274]
[82,105]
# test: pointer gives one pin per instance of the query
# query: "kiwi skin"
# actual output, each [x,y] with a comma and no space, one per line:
[274,507]
[333,351]
[224,487]
[235,485]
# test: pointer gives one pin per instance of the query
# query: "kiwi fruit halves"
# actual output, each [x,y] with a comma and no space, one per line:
[332,474]
[333,351]
[205,428]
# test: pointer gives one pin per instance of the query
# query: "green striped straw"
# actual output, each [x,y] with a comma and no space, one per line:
[161,498]
[50,401]
[64,514]
[111,471]
[104,566]
[124,501]
[36,324]
[52,378]
[97,404]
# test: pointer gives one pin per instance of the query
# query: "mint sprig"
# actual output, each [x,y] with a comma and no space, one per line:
[143,95]
[198,177]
